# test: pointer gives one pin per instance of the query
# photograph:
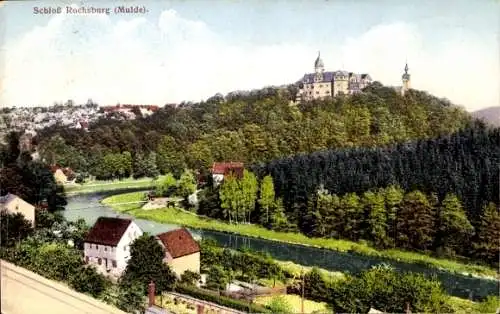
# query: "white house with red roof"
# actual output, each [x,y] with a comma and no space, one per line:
[107,244]
[220,170]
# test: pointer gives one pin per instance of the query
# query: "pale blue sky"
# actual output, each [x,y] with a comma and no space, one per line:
[192,49]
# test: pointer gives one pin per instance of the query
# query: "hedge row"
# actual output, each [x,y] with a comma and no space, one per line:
[214,297]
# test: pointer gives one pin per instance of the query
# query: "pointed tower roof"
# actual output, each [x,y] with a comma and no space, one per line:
[319,62]
[406,75]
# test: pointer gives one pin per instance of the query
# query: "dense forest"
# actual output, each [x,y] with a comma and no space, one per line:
[465,163]
[250,127]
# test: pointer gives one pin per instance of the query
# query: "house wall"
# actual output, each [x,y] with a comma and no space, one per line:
[119,253]
[106,253]
[18,205]
[59,176]
[317,90]
[123,250]
[189,262]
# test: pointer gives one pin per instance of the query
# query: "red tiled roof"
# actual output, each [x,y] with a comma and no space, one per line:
[222,167]
[53,168]
[179,242]
[107,231]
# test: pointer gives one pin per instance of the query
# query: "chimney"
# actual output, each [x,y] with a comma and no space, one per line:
[200,309]
[151,293]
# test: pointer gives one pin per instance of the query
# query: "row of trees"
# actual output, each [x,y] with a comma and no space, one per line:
[391,218]
[250,128]
[386,217]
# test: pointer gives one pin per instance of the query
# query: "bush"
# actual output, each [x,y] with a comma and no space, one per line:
[56,261]
[88,280]
[14,228]
[190,278]
[131,297]
[279,304]
[214,297]
[244,261]
[388,291]
[490,305]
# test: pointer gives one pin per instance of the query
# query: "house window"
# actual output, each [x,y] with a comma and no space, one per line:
[113,262]
[97,246]
[90,246]
[99,261]
[105,248]
[125,248]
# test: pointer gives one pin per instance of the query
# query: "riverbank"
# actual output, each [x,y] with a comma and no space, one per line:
[105,186]
[188,219]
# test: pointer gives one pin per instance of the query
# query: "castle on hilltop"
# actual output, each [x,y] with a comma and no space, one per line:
[321,84]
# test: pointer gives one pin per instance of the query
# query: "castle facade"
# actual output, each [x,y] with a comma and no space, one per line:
[321,84]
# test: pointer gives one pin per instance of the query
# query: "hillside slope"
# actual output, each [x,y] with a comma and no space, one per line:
[250,127]
[491,115]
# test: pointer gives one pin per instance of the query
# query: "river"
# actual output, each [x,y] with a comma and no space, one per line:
[88,207]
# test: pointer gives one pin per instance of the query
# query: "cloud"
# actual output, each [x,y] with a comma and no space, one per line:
[173,59]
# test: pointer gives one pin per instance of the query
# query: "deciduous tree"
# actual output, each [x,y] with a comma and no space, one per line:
[146,264]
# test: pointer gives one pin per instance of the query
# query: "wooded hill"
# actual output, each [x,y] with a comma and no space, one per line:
[251,127]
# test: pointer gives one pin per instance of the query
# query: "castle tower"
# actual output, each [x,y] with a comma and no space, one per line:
[406,80]
[319,67]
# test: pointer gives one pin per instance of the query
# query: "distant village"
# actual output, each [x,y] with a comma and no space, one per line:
[32,119]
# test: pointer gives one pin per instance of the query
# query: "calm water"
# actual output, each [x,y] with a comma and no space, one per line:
[88,207]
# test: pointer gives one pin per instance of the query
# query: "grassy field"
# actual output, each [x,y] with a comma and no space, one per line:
[125,198]
[188,219]
[296,303]
[101,186]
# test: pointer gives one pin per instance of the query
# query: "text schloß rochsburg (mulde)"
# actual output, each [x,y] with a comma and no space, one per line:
[89,10]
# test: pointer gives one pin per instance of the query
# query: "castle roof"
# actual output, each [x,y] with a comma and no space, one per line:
[330,76]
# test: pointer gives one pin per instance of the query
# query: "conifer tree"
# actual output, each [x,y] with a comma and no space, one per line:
[393,196]
[454,228]
[353,216]
[415,222]
[487,243]
[376,218]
